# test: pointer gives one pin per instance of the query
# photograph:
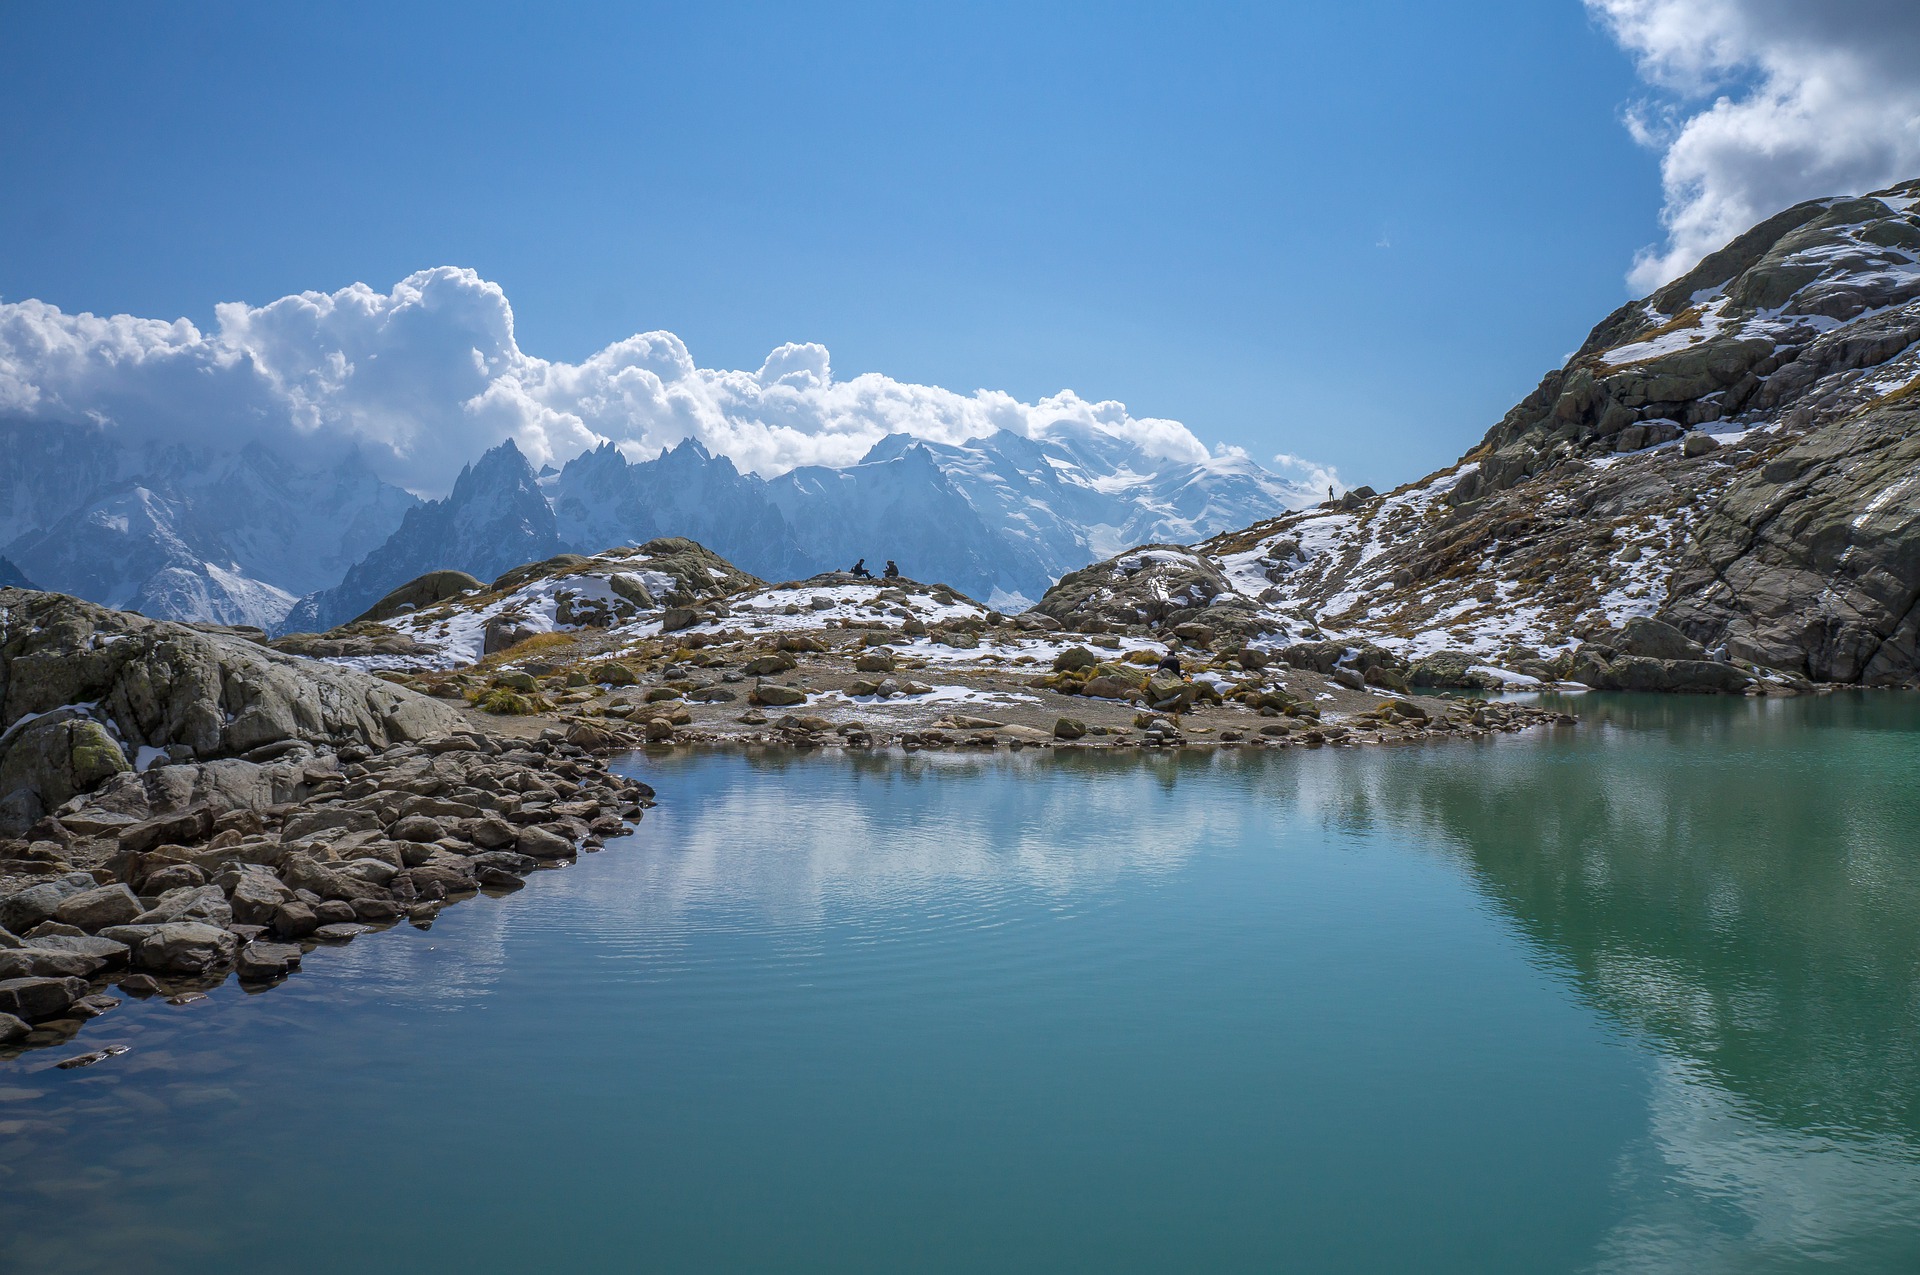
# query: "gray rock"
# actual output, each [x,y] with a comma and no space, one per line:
[173,876]
[204,903]
[774,695]
[341,931]
[94,909]
[416,828]
[13,1030]
[38,999]
[180,947]
[36,903]
[106,951]
[163,684]
[49,760]
[537,843]
[334,912]
[257,898]
[503,861]
[295,919]
[259,960]
[39,962]
[1651,638]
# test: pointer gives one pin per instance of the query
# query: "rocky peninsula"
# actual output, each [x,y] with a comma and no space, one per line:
[180,806]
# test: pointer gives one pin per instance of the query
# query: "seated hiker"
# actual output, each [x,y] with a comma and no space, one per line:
[860,570]
[892,572]
[1171,663]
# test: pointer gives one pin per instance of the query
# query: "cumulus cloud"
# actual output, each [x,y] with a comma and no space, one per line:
[1759,104]
[424,377]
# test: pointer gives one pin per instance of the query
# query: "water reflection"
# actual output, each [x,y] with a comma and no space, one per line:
[1734,883]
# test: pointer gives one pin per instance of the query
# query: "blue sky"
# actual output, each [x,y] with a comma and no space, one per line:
[1355,232]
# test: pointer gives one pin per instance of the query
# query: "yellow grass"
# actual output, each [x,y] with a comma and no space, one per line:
[532,646]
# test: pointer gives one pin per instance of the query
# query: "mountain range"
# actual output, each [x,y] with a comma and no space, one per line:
[252,536]
[1001,517]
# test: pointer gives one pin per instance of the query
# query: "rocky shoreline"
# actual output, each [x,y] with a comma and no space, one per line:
[173,903]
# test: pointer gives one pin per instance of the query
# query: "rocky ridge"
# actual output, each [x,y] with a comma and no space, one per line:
[1735,459]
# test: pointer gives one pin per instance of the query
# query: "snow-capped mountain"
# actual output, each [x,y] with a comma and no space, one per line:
[1000,518]
[181,532]
[495,518]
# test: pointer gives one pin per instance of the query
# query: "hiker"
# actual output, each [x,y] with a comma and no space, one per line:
[892,572]
[1330,496]
[860,571]
[1171,663]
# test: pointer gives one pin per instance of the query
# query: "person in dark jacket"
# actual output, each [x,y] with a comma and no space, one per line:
[860,571]
[892,572]
[1171,663]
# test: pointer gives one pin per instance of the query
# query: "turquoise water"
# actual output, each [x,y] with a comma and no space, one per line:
[1639,996]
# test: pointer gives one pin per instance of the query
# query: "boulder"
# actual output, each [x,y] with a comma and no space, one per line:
[420,593]
[22,911]
[504,632]
[48,761]
[674,619]
[106,951]
[632,588]
[1073,659]
[1656,640]
[38,999]
[537,843]
[257,898]
[179,947]
[13,1030]
[294,919]
[206,903]
[1455,669]
[416,828]
[1143,586]
[258,960]
[773,695]
[98,908]
[1069,728]
[40,962]
[1318,657]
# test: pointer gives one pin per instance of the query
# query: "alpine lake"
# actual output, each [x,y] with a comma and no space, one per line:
[1637,995]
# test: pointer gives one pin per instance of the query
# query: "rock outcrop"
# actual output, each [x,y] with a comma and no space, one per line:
[87,693]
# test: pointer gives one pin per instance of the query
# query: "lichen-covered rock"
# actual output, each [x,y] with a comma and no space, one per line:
[46,761]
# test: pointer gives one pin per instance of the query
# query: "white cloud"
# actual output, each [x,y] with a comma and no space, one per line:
[1763,103]
[1310,476]
[426,376]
